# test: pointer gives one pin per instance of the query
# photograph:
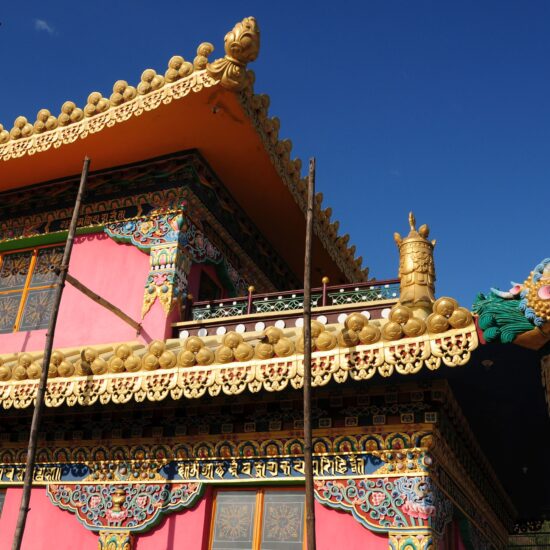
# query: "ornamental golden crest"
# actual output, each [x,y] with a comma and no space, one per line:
[242,45]
[416,268]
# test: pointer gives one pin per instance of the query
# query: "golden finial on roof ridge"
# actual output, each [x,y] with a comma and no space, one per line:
[416,268]
[242,45]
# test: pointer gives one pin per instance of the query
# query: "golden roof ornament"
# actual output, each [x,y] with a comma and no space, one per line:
[416,268]
[242,46]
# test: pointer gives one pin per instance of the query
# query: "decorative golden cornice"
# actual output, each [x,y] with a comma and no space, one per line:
[270,361]
[242,46]
[99,113]
[125,101]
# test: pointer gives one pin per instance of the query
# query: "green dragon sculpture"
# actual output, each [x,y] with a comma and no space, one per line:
[521,315]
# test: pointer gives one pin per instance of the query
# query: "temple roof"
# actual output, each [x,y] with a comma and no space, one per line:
[209,106]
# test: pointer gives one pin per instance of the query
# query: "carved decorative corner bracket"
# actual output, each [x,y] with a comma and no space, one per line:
[173,243]
[411,509]
[121,511]
[161,236]
[167,279]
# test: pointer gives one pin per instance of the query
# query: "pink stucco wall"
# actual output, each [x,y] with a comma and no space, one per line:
[189,529]
[338,529]
[117,272]
[47,527]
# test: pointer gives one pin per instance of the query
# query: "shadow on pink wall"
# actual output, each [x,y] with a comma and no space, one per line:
[118,273]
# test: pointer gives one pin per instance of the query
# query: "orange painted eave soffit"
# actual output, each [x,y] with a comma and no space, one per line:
[212,121]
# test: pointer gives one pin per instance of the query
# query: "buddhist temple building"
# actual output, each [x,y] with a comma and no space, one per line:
[178,423]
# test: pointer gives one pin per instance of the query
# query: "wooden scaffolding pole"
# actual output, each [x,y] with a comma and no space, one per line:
[73,281]
[308,457]
[39,405]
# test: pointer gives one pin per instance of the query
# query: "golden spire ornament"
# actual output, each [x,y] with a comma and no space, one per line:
[416,269]
[242,46]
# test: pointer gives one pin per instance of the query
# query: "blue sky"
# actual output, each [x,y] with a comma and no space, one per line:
[439,107]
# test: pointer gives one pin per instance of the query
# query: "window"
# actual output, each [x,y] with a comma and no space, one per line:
[27,287]
[262,519]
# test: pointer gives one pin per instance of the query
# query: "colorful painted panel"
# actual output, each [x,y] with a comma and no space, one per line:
[214,460]
[283,520]
[234,520]
[389,503]
[153,186]
[272,467]
[123,507]
[209,470]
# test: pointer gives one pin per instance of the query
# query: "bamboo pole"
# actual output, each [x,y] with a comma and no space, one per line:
[39,406]
[308,457]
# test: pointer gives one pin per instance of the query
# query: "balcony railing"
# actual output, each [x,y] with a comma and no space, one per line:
[293,300]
